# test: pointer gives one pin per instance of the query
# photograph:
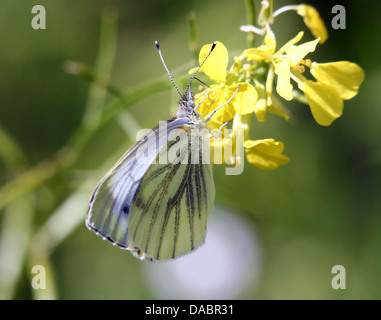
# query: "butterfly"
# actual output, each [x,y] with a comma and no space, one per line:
[158,210]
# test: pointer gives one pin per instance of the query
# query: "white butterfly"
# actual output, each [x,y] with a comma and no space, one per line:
[156,210]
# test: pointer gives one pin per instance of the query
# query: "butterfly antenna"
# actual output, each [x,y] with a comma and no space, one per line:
[194,75]
[165,66]
[202,82]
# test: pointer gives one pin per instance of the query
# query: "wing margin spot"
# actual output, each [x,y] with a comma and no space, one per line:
[126,209]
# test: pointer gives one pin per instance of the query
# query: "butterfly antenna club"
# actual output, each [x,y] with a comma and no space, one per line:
[194,75]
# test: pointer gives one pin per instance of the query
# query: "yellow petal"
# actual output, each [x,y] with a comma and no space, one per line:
[324,101]
[254,54]
[244,99]
[344,76]
[297,53]
[278,108]
[284,87]
[260,108]
[270,41]
[228,101]
[215,123]
[263,52]
[269,84]
[265,154]
[210,102]
[215,66]
[313,21]
[290,43]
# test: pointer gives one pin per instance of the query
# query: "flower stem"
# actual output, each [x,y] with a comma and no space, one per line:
[193,34]
[284,9]
[266,14]
[250,19]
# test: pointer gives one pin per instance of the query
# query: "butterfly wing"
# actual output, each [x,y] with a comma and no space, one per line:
[130,208]
[170,208]
[107,214]
[111,200]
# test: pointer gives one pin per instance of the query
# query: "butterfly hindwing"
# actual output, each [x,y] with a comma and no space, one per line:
[170,208]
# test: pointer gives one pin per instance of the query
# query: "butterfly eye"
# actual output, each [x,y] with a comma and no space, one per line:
[190,103]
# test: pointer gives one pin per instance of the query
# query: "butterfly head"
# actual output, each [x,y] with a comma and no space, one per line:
[186,105]
[188,98]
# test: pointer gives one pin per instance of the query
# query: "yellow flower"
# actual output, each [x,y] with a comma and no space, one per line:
[282,61]
[344,76]
[265,154]
[241,101]
[336,81]
[266,67]
[242,96]
[290,56]
[313,21]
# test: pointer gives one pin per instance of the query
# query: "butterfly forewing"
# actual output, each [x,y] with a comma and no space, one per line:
[110,203]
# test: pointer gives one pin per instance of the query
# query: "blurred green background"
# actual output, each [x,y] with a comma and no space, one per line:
[293,224]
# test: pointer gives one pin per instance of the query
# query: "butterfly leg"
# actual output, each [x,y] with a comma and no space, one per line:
[219,131]
[205,95]
[214,111]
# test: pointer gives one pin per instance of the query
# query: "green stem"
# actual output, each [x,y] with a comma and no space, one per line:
[266,13]
[103,65]
[193,35]
[15,232]
[33,178]
[84,71]
[251,20]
